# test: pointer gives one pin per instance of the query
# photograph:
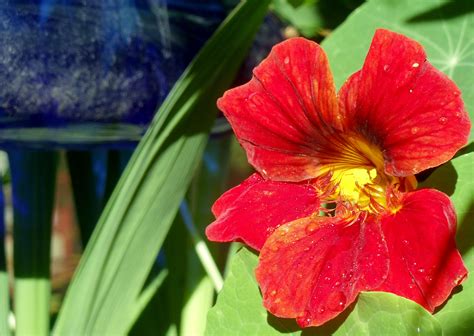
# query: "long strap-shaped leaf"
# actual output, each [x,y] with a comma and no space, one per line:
[105,292]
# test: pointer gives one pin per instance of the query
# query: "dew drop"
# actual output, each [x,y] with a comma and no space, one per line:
[385,67]
[273,292]
[311,228]
[415,65]
[336,301]
[421,270]
[299,275]
[414,130]
[270,230]
[327,279]
[322,310]
[306,249]
[443,120]
[287,60]
[405,242]
[418,330]
[411,90]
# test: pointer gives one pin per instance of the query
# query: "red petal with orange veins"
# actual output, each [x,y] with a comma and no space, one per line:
[280,116]
[401,103]
[424,263]
[313,268]
[251,211]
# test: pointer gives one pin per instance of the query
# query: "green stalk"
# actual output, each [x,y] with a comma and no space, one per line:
[4,285]
[201,249]
[33,184]
[87,188]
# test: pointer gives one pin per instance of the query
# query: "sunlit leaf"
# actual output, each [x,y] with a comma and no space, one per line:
[239,311]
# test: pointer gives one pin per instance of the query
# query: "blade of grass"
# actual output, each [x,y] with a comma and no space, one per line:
[135,222]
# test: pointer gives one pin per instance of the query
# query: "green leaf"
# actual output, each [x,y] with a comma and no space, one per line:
[107,286]
[456,178]
[239,311]
[443,27]
[304,15]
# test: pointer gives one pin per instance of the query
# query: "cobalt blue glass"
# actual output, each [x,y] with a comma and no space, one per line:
[77,73]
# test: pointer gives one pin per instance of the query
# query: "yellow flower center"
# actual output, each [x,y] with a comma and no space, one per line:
[357,178]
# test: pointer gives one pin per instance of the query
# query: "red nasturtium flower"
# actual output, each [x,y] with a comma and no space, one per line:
[357,151]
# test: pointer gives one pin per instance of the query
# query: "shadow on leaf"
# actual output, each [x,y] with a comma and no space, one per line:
[465,234]
[445,11]
[286,326]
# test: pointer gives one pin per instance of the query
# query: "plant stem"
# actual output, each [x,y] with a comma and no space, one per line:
[4,286]
[33,184]
[201,248]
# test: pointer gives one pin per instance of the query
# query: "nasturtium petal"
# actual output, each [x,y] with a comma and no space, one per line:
[456,178]
[280,117]
[399,101]
[425,264]
[239,311]
[251,211]
[313,268]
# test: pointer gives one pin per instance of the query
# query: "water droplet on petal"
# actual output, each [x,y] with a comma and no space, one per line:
[411,90]
[287,60]
[336,284]
[311,228]
[273,292]
[443,120]
[327,279]
[336,301]
[415,65]
[322,310]
[405,242]
[414,130]
[421,270]
[385,67]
